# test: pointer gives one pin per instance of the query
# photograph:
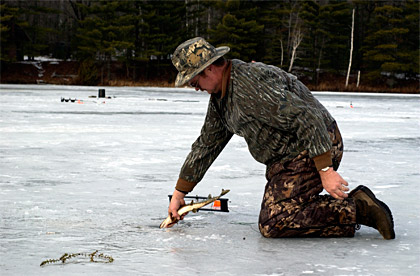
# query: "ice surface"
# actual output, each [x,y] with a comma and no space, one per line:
[95,176]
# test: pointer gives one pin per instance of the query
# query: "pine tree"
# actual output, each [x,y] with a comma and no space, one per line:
[315,37]
[161,32]
[327,39]
[274,16]
[240,31]
[105,34]
[38,33]
[197,17]
[384,51]
[11,45]
[337,26]
[410,50]
[21,32]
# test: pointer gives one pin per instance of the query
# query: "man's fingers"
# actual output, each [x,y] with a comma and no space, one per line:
[344,195]
[343,182]
[174,214]
[336,196]
[340,194]
[343,188]
[183,215]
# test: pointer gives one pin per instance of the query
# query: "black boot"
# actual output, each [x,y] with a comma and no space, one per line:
[372,212]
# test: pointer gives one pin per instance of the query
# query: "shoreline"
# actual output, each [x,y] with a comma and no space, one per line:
[95,89]
[67,73]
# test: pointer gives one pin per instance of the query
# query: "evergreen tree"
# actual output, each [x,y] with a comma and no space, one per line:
[336,29]
[363,18]
[161,32]
[106,33]
[143,34]
[274,16]
[410,50]
[315,35]
[33,12]
[384,44]
[197,17]
[239,35]
[21,34]
[240,31]
[10,28]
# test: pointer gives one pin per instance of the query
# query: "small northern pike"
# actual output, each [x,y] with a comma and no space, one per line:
[192,207]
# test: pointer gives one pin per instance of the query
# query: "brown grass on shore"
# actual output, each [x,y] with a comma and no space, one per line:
[322,87]
[331,86]
[325,86]
[159,83]
[66,73]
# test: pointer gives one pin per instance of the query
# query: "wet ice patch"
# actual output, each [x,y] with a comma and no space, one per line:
[224,168]
[335,268]
[206,237]
[404,246]
[386,186]
[193,218]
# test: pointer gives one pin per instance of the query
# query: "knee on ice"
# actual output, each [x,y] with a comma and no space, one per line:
[266,230]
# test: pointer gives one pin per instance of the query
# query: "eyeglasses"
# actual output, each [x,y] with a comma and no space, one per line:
[195,84]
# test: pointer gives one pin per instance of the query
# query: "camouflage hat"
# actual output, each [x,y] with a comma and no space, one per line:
[193,56]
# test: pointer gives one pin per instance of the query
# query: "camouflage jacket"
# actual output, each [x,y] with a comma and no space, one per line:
[276,114]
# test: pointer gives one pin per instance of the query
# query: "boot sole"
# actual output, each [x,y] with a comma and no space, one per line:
[368,192]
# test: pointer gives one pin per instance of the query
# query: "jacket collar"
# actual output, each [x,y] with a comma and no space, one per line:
[226,78]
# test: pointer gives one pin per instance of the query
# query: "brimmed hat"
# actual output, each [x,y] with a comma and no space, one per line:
[193,56]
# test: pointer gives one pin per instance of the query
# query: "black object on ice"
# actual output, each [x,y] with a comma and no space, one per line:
[222,208]
[101,93]
[68,100]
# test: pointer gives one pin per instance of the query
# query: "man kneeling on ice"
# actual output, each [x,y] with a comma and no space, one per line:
[285,128]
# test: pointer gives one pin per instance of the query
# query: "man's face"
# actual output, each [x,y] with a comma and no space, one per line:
[208,80]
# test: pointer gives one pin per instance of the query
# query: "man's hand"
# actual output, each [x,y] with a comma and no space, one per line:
[177,202]
[334,184]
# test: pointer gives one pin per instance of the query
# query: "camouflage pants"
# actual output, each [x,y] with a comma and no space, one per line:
[292,205]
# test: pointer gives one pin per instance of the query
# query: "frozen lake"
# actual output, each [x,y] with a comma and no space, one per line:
[95,176]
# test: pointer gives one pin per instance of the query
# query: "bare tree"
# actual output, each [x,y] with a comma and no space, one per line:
[318,69]
[282,52]
[293,16]
[209,16]
[296,40]
[351,49]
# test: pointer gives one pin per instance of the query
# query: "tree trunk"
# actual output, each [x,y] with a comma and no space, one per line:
[319,61]
[102,74]
[186,15]
[351,49]
[208,21]
[108,68]
[282,53]
[197,18]
[297,39]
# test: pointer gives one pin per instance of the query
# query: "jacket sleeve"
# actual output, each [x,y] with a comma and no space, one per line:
[213,138]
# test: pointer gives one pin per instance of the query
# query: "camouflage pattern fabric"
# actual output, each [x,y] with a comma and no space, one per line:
[292,206]
[276,114]
[193,56]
